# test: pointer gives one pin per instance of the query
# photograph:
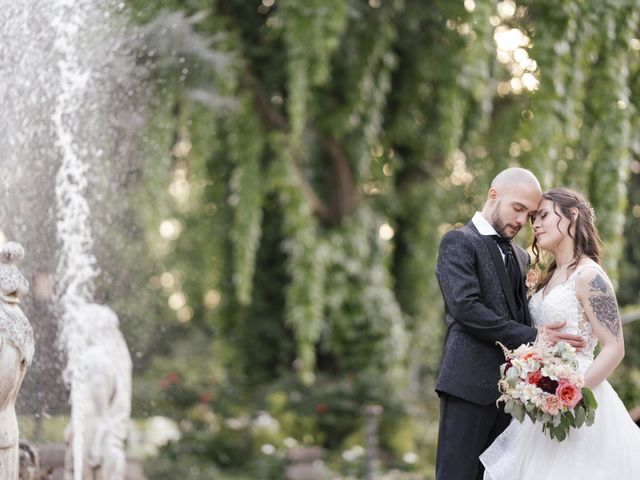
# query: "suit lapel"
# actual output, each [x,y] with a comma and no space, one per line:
[496,256]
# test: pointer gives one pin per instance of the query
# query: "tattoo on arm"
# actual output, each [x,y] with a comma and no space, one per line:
[604,305]
[599,284]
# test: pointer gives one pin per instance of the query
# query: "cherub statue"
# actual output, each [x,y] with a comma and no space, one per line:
[107,408]
[16,353]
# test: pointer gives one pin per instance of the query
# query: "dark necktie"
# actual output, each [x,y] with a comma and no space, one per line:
[511,264]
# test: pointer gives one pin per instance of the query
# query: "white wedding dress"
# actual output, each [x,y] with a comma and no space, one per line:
[608,449]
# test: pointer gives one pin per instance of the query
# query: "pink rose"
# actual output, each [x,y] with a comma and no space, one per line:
[551,405]
[532,279]
[568,393]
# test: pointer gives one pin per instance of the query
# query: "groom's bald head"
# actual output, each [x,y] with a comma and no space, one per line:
[514,195]
[516,177]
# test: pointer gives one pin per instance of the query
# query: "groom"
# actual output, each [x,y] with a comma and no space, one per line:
[481,277]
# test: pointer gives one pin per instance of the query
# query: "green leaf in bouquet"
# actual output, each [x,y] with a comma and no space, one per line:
[557,420]
[530,407]
[591,416]
[569,419]
[589,399]
[546,418]
[508,406]
[518,412]
[564,422]
[555,433]
[560,433]
[581,414]
[512,377]
[550,430]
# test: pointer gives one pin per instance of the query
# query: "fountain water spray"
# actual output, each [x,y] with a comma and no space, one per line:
[74,105]
[77,265]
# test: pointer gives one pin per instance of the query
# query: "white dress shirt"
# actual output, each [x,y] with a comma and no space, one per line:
[485,228]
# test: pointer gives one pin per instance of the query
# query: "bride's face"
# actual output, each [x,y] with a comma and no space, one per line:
[549,227]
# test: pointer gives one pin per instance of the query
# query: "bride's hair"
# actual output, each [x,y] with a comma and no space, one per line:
[586,239]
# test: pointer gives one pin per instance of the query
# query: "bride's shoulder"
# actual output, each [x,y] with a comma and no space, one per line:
[591,279]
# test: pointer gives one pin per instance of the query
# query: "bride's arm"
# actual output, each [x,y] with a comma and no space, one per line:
[595,293]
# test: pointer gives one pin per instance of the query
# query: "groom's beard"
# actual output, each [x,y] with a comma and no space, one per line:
[500,226]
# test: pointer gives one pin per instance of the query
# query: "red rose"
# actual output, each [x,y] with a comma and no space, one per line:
[172,377]
[534,377]
[204,398]
[321,408]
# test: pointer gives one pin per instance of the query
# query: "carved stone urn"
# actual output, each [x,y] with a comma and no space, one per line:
[16,353]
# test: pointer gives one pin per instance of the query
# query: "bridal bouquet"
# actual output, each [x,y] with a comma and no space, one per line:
[542,381]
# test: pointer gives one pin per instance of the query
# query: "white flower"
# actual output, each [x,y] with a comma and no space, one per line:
[266,423]
[268,449]
[353,453]
[410,458]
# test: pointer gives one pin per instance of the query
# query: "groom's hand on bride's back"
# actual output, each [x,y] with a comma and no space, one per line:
[552,332]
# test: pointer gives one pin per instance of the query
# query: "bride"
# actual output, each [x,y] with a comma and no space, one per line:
[576,289]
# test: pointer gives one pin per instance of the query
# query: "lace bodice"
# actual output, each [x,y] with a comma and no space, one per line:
[561,304]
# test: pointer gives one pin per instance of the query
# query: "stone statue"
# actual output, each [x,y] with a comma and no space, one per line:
[108,405]
[16,353]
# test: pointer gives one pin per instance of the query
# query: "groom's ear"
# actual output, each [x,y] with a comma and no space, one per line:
[492,194]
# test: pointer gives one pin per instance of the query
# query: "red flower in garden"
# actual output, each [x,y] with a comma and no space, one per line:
[322,408]
[173,377]
[204,397]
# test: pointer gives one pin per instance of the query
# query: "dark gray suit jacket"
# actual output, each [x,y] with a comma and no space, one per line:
[480,310]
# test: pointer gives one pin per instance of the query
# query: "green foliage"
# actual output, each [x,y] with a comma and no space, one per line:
[254,435]
[626,378]
[365,324]
[312,32]
[353,135]
[264,344]
[203,455]
[580,120]
[246,146]
[348,126]
[305,262]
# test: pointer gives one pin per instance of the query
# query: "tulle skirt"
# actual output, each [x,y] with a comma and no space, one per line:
[610,448]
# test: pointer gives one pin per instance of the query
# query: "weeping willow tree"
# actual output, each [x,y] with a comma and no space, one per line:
[584,116]
[353,135]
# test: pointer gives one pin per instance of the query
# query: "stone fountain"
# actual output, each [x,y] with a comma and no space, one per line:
[69,123]
[16,353]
